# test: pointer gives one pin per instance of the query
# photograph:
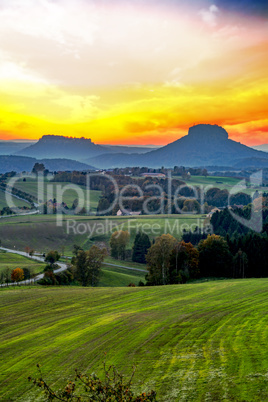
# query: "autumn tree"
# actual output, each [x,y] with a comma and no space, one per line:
[17,275]
[118,243]
[27,249]
[158,259]
[87,265]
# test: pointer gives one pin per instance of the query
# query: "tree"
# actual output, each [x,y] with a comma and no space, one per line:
[27,273]
[76,248]
[39,167]
[158,259]
[215,257]
[7,275]
[103,206]
[191,205]
[118,243]
[184,263]
[17,275]
[140,248]
[240,264]
[27,249]
[87,265]
[52,257]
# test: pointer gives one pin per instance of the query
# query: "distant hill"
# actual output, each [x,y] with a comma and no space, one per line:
[251,163]
[23,163]
[11,147]
[263,147]
[204,145]
[129,150]
[57,146]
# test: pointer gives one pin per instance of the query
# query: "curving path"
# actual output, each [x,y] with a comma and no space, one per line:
[62,265]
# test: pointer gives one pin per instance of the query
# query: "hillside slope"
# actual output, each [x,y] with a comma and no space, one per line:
[194,342]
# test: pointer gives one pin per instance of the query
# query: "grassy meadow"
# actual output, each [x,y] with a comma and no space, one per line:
[195,342]
[119,277]
[41,232]
[223,183]
[52,189]
[16,201]
[12,261]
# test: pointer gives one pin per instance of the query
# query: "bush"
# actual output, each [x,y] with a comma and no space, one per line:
[113,388]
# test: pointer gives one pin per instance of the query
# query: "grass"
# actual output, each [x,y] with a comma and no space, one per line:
[41,232]
[125,263]
[53,189]
[198,342]
[12,261]
[214,181]
[16,201]
[120,277]
[223,183]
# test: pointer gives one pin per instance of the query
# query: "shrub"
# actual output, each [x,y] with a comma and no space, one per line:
[113,388]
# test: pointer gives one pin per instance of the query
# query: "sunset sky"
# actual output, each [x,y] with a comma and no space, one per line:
[133,71]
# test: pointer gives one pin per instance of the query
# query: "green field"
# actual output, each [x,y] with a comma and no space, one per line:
[53,189]
[41,233]
[125,263]
[12,261]
[198,342]
[120,277]
[223,183]
[213,181]
[16,201]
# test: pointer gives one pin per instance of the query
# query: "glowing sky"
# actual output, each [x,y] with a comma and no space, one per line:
[133,72]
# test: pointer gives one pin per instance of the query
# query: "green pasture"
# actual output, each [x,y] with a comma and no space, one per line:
[16,201]
[213,181]
[130,264]
[42,233]
[194,342]
[119,277]
[12,261]
[223,183]
[56,189]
